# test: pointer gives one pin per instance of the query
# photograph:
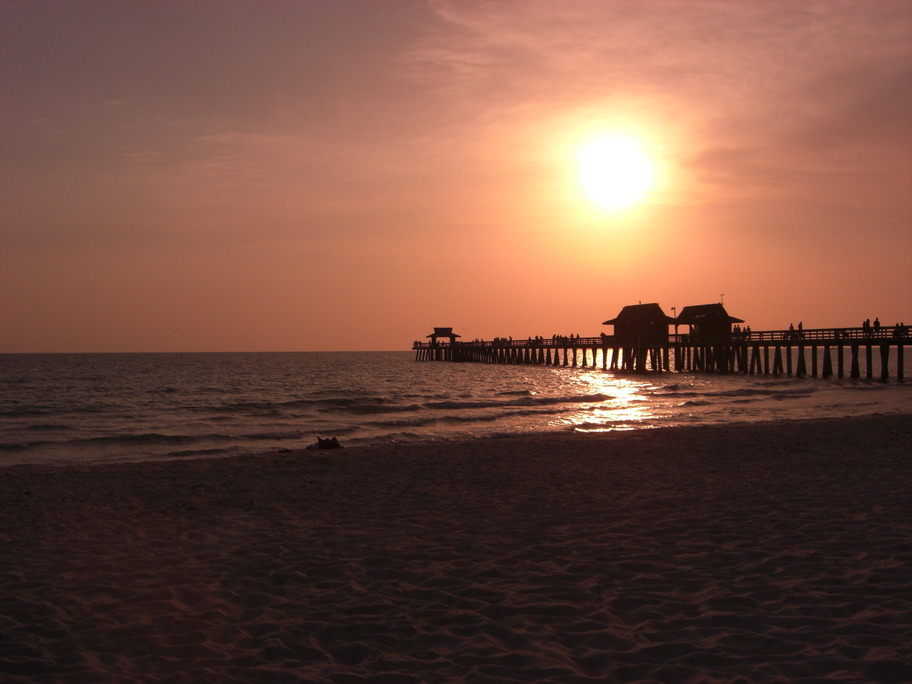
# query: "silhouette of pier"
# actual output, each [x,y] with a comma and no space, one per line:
[642,343]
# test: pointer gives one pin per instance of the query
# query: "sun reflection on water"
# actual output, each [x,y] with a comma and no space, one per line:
[626,406]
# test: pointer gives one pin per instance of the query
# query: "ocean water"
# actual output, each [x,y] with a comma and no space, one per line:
[59,408]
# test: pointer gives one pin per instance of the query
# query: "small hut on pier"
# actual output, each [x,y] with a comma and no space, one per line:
[708,322]
[445,333]
[643,325]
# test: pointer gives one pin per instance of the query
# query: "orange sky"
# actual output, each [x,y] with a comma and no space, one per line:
[219,175]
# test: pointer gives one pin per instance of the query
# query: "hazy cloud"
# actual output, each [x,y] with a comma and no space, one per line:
[381,144]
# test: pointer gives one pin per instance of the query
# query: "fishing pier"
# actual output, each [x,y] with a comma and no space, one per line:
[642,343]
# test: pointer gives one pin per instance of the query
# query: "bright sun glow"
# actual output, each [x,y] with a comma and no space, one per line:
[615,172]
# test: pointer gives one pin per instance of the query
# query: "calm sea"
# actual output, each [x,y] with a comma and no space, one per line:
[116,407]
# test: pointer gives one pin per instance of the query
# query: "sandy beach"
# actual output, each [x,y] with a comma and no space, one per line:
[757,552]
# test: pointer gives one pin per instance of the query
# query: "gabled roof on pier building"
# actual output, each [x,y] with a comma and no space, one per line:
[706,313]
[443,332]
[640,314]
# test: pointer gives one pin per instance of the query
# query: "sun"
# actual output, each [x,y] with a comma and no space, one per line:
[615,172]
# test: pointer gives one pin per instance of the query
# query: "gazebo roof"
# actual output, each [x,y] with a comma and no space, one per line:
[635,314]
[443,332]
[706,313]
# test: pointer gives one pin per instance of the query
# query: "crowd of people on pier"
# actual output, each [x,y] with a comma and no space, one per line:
[537,341]
[555,339]
[796,333]
[739,333]
[875,330]
[868,329]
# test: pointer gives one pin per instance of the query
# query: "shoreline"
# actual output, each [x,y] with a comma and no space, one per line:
[765,551]
[565,432]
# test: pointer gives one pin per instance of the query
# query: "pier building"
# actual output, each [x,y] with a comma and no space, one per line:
[710,321]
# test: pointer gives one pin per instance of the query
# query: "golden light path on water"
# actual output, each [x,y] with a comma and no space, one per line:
[625,408]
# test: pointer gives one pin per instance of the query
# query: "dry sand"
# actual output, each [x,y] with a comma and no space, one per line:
[778,552]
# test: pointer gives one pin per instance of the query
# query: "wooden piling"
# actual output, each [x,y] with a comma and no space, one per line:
[777,361]
[801,370]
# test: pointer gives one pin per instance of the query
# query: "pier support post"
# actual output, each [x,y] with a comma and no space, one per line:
[884,361]
[640,359]
[827,363]
[853,373]
[777,361]
[801,371]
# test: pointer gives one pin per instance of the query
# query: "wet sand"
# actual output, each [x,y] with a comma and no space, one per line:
[764,552]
